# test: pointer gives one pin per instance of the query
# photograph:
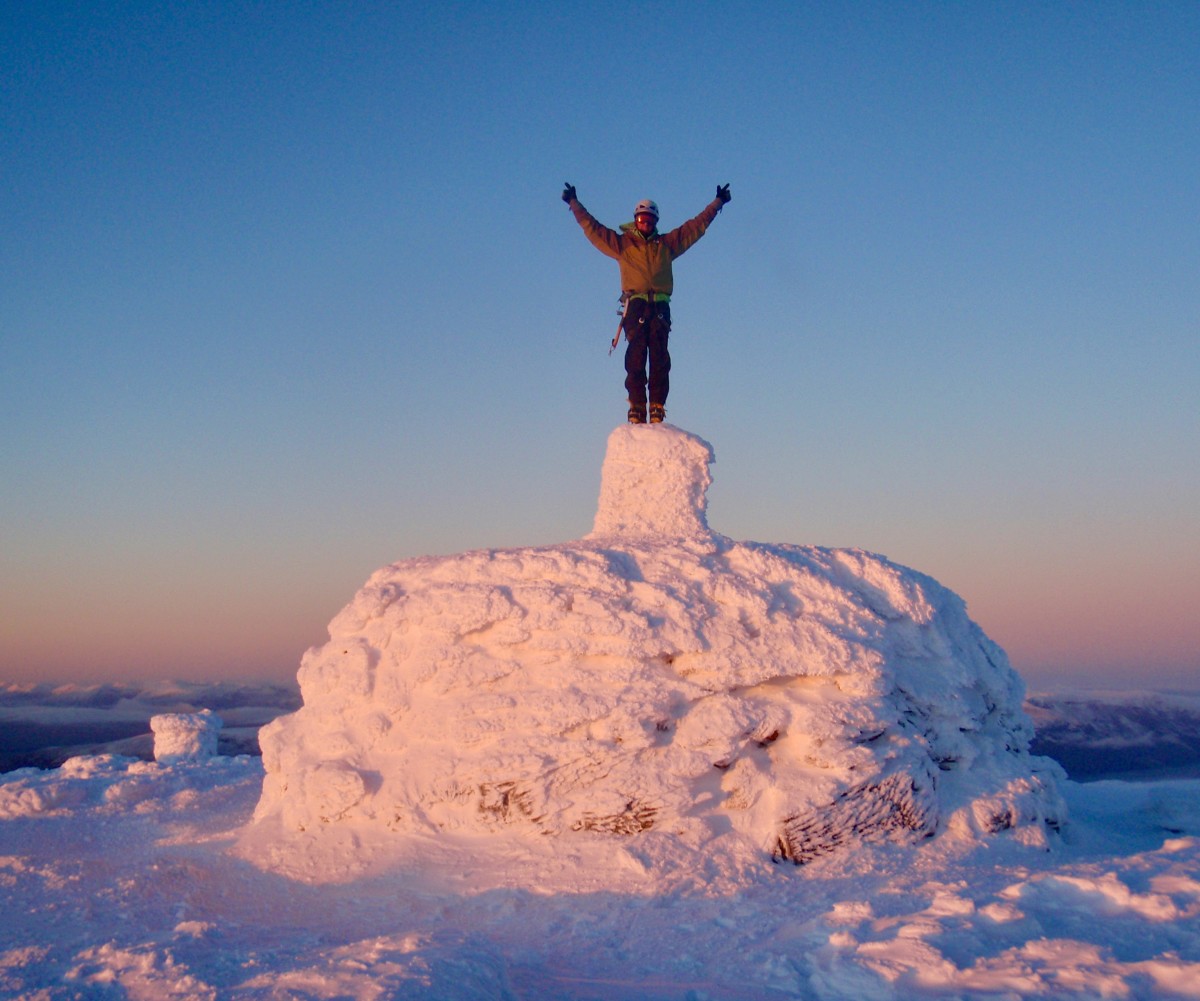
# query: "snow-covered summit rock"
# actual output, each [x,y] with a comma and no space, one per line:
[660,683]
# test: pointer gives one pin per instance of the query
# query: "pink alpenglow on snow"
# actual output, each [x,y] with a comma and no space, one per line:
[180,737]
[659,687]
[654,485]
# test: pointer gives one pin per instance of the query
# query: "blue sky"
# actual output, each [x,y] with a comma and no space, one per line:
[287,293]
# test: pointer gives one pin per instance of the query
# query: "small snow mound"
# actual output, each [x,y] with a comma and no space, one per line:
[654,482]
[180,737]
[658,684]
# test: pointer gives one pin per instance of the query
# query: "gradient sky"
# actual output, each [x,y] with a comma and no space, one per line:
[287,293]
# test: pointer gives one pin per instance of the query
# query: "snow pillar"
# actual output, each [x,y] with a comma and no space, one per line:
[654,483]
[182,737]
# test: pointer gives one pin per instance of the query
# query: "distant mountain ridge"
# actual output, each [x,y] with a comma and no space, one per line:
[42,725]
[1109,734]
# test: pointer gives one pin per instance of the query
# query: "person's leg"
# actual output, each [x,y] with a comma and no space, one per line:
[636,336]
[660,359]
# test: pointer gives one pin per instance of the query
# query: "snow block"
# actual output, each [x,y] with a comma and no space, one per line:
[182,737]
[657,682]
[654,483]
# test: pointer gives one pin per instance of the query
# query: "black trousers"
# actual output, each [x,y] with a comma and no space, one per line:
[647,328]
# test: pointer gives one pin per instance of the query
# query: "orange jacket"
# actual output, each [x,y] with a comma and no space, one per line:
[645,262]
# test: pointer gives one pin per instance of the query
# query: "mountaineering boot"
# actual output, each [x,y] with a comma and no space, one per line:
[657,413]
[637,414]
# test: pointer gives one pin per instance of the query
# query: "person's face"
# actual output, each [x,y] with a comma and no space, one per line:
[644,222]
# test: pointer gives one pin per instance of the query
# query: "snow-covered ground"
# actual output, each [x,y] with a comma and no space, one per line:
[652,763]
[122,879]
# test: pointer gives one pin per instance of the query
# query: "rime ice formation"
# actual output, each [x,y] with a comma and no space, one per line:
[658,681]
[654,486]
[185,736]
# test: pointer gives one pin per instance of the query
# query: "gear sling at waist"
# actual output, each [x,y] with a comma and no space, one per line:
[626,298]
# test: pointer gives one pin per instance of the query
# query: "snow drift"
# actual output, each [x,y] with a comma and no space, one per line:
[659,683]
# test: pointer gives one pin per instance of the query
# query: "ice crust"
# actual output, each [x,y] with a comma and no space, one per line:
[660,682]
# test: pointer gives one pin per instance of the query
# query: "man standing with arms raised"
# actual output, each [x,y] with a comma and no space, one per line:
[644,256]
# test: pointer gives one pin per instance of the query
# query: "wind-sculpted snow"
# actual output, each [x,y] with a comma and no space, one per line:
[661,682]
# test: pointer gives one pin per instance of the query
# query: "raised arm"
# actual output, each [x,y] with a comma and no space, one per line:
[679,239]
[602,238]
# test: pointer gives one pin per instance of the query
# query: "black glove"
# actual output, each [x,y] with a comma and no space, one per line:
[722,193]
[569,193]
